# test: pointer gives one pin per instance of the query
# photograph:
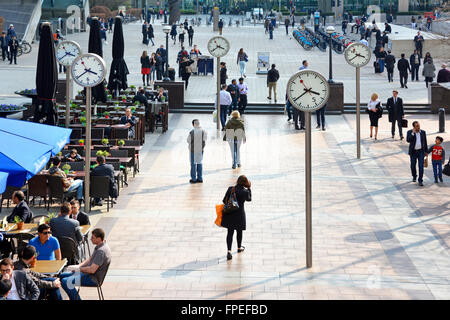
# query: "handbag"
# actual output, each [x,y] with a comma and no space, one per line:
[425,162]
[231,205]
[219,212]
[188,69]
[214,115]
[446,169]
[404,123]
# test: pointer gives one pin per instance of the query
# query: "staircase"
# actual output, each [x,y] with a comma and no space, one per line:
[20,13]
[416,108]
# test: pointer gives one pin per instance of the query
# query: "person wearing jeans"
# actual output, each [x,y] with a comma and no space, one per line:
[242,59]
[196,140]
[321,117]
[418,149]
[68,183]
[235,135]
[225,102]
[437,158]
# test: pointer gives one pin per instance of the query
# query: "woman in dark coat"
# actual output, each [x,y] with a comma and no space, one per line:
[145,68]
[186,70]
[236,220]
[150,33]
[173,33]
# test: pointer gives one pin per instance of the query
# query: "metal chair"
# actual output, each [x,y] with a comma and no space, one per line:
[99,284]
[37,218]
[132,154]
[99,188]
[97,133]
[37,187]
[20,241]
[69,249]
[76,165]
[55,184]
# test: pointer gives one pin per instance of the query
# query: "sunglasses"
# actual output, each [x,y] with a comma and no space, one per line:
[47,232]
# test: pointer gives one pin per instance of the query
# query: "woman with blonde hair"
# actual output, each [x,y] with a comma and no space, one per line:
[235,135]
[375,110]
[145,67]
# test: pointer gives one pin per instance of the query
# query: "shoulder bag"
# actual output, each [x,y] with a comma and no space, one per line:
[446,169]
[231,204]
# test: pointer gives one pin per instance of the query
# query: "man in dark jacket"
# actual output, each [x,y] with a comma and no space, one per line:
[418,150]
[272,77]
[4,46]
[105,170]
[403,68]
[220,26]
[418,41]
[142,99]
[63,226]
[234,92]
[78,215]
[150,34]
[344,26]
[23,287]
[396,113]
[387,28]
[223,73]
[414,61]
[390,64]
[45,283]
[181,54]
[130,122]
[21,210]
[159,65]
[443,74]
[13,46]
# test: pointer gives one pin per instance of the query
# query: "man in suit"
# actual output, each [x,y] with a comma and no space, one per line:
[63,226]
[163,54]
[23,287]
[390,64]
[142,99]
[144,33]
[403,68]
[418,41]
[418,150]
[130,122]
[396,114]
[233,89]
[21,209]
[105,170]
[78,215]
[414,61]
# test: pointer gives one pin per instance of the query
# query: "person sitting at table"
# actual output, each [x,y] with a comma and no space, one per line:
[44,282]
[22,286]
[142,99]
[93,268]
[161,93]
[73,156]
[21,209]
[69,184]
[105,170]
[78,215]
[130,122]
[47,246]
[5,288]
[63,226]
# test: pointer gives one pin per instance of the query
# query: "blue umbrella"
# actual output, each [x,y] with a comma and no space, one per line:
[26,147]
[3,178]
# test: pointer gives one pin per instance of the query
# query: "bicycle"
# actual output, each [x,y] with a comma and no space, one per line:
[24,48]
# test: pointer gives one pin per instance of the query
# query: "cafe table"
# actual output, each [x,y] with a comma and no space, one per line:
[11,228]
[85,243]
[50,267]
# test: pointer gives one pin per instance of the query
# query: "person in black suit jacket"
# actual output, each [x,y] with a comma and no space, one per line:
[418,150]
[78,215]
[21,210]
[130,121]
[236,220]
[105,170]
[403,68]
[396,113]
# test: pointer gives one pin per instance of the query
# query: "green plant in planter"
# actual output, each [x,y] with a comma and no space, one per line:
[81,142]
[124,97]
[117,108]
[105,142]
[137,103]
[121,143]
[66,168]
[133,109]
[74,106]
[59,154]
[132,87]
[50,216]
[109,96]
[17,219]
[116,103]
[103,153]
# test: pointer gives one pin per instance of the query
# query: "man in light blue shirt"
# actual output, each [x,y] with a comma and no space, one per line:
[47,247]
[304,65]
[225,102]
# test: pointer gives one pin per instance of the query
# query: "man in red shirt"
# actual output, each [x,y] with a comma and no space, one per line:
[437,158]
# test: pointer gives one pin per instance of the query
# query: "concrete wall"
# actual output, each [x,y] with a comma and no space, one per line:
[30,32]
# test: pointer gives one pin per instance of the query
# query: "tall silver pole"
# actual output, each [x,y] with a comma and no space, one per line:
[358,115]
[87,155]
[218,93]
[68,96]
[308,189]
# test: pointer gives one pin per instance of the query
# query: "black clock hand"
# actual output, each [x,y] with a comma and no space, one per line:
[63,56]
[314,92]
[86,70]
[70,54]
[89,70]
[353,57]
[295,99]
[214,49]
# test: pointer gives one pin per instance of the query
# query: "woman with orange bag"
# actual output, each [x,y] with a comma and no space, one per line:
[236,219]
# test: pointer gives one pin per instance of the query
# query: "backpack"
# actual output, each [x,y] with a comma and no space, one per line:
[231,204]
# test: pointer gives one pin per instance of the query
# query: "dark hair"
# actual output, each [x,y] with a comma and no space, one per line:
[28,252]
[101,159]
[242,181]
[5,286]
[74,151]
[7,262]
[19,195]
[56,161]
[440,138]
[241,79]
[99,233]
[414,123]
[43,227]
[222,63]
[193,121]
[273,66]
[74,202]
[65,208]
[223,86]
[303,62]
[234,80]
[402,55]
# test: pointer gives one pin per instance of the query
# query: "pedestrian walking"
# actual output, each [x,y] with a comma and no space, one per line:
[403,69]
[443,75]
[293,20]
[225,102]
[414,61]
[287,22]
[223,73]
[428,72]
[418,42]
[150,34]
[145,68]
[390,64]
[429,21]
[242,60]
[234,92]
[196,140]
[243,91]
[381,56]
[181,54]
[153,68]
[13,45]
[173,33]
[186,70]
[375,110]
[427,57]
[159,65]
[236,220]
[144,33]
[344,26]
[272,77]
[417,150]
[266,25]
[270,31]
[220,26]
[394,106]
[190,35]
[413,22]
[437,158]
[103,36]
[4,46]
[181,32]
[235,136]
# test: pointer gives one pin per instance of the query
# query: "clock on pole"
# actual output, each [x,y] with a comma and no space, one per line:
[88,70]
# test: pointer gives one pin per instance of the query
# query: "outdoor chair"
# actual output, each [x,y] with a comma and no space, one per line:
[119,153]
[99,188]
[37,187]
[120,133]
[7,195]
[102,148]
[132,143]
[97,133]
[116,166]
[99,284]
[55,184]
[134,162]
[37,218]
[76,133]
[69,250]
[20,241]
[76,166]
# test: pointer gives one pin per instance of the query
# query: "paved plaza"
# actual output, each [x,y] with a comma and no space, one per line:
[376,235]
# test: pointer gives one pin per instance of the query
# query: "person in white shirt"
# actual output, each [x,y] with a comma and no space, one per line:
[181,32]
[23,287]
[243,91]
[373,107]
[364,41]
[197,141]
[225,102]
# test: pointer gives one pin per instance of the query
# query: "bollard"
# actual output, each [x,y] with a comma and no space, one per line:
[441,120]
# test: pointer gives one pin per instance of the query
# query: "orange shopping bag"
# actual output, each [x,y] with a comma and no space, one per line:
[219,210]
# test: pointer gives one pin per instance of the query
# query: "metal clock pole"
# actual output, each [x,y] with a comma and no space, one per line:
[218,93]
[308,190]
[87,154]
[358,115]
[68,96]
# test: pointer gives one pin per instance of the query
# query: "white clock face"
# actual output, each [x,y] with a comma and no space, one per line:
[308,90]
[218,46]
[66,52]
[357,54]
[88,70]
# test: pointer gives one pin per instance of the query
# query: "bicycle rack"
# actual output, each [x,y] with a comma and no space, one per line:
[318,42]
[302,39]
